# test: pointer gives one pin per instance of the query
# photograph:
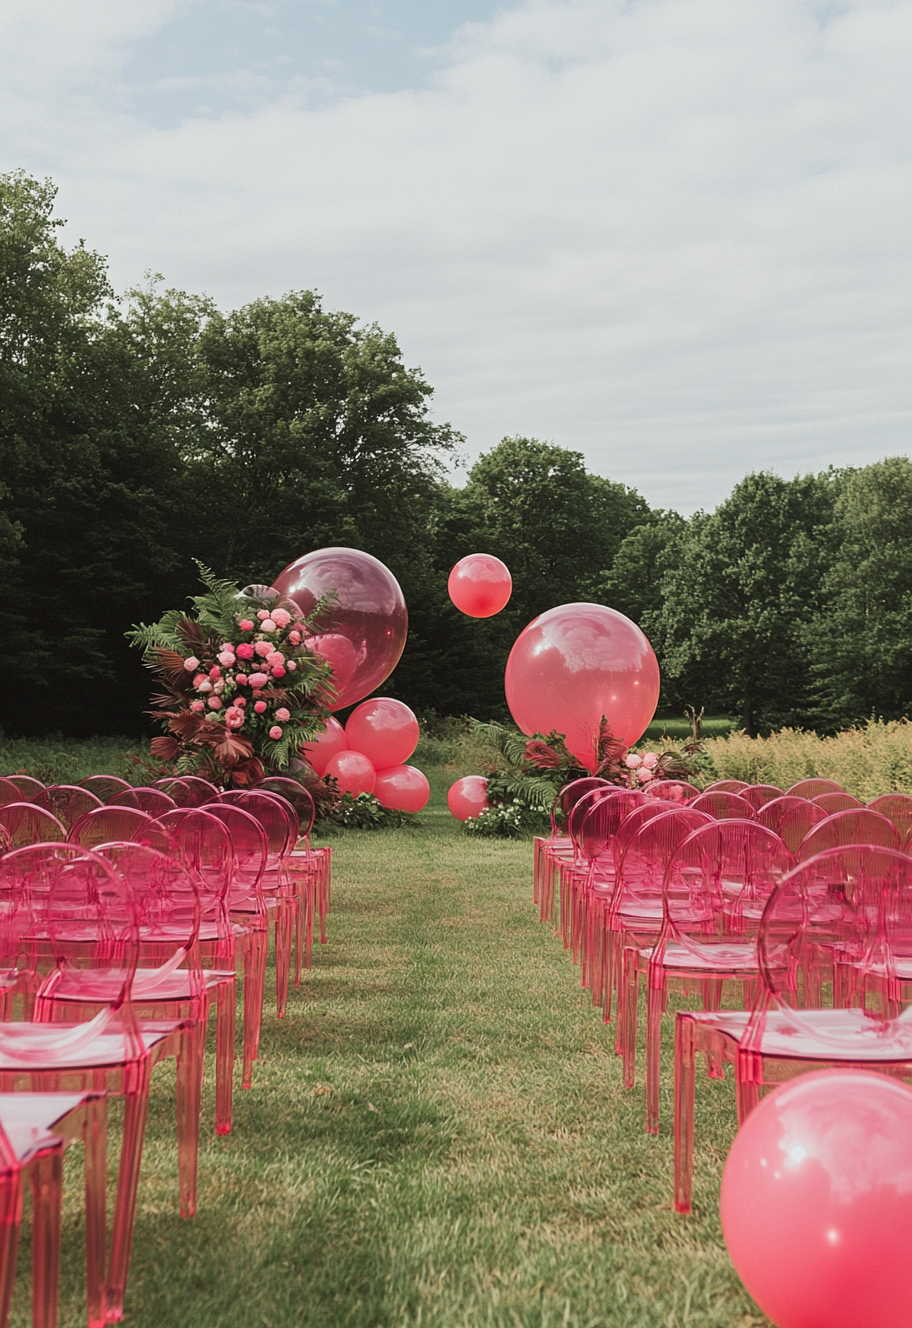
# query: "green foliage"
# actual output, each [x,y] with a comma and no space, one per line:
[363,812]
[504,821]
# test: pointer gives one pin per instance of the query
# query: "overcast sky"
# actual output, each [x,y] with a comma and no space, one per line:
[672,234]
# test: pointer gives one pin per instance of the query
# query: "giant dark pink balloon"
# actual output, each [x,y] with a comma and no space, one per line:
[816,1202]
[468,797]
[384,729]
[576,663]
[325,745]
[368,610]
[353,772]
[480,585]
[403,788]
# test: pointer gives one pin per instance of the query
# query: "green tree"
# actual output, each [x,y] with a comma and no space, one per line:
[860,640]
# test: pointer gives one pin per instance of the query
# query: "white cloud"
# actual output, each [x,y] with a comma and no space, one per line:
[672,233]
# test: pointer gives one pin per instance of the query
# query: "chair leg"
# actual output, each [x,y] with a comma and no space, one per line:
[282,954]
[47,1198]
[712,1000]
[631,997]
[226,999]
[136,1106]
[748,1097]
[684,1113]
[95,1137]
[10,1222]
[609,966]
[655,1008]
[254,985]
[189,1090]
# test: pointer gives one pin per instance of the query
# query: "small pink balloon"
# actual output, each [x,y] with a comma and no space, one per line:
[354,772]
[816,1202]
[367,608]
[468,796]
[341,656]
[480,585]
[325,745]
[576,663]
[385,730]
[403,788]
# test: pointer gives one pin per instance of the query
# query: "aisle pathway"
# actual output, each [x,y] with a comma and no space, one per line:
[437,1135]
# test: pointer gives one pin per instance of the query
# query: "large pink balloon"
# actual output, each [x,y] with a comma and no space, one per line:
[576,663]
[325,745]
[817,1202]
[480,585]
[385,730]
[368,610]
[468,796]
[404,788]
[353,771]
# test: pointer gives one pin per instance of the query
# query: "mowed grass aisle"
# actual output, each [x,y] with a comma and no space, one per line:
[437,1134]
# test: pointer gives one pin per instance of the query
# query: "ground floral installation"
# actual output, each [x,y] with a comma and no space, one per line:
[242,692]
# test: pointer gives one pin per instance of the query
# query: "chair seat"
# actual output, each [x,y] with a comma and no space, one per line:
[28,1118]
[36,1048]
[726,957]
[823,1035]
[99,988]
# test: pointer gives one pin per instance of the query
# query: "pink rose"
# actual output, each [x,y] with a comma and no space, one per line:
[191,663]
[267,625]
[245,625]
[632,761]
[275,658]
[263,648]
[215,703]
[234,717]
[294,638]
[260,707]
[275,733]
[226,658]
[259,679]
[262,614]
[215,672]
[281,617]
[205,686]
[241,701]
[241,679]
[644,774]
[245,651]
[292,665]
[219,686]
[650,760]
[197,706]
[283,714]
[278,671]
[200,678]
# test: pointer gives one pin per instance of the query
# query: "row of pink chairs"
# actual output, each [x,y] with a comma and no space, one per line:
[709,894]
[200,884]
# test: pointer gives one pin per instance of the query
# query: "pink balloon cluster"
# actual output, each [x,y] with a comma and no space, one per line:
[369,754]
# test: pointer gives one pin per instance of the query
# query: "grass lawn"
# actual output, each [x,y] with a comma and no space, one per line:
[437,1134]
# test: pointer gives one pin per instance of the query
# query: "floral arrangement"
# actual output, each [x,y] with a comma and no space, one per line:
[242,691]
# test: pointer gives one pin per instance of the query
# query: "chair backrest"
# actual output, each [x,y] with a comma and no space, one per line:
[632,822]
[722,806]
[569,796]
[27,824]
[150,800]
[27,786]
[672,790]
[204,845]
[718,880]
[165,896]
[795,821]
[103,786]
[896,807]
[295,793]
[641,866]
[855,896]
[583,805]
[857,826]
[758,795]
[68,802]
[114,825]
[279,822]
[727,786]
[812,788]
[250,847]
[9,792]
[836,802]
[189,790]
[603,819]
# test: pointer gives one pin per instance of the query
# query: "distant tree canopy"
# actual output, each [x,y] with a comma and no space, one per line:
[139,434]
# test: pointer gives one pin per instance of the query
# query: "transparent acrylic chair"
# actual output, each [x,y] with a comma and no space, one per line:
[595,890]
[727,786]
[856,826]
[812,788]
[548,854]
[836,802]
[715,887]
[855,895]
[35,1128]
[67,802]
[117,825]
[26,785]
[9,792]
[309,868]
[569,872]
[676,791]
[758,795]
[151,800]
[68,895]
[188,790]
[27,824]
[896,807]
[104,786]
[796,821]
[722,806]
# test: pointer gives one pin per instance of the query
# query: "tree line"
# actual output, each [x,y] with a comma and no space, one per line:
[140,433]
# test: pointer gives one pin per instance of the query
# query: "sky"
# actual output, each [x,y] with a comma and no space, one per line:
[673,235]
